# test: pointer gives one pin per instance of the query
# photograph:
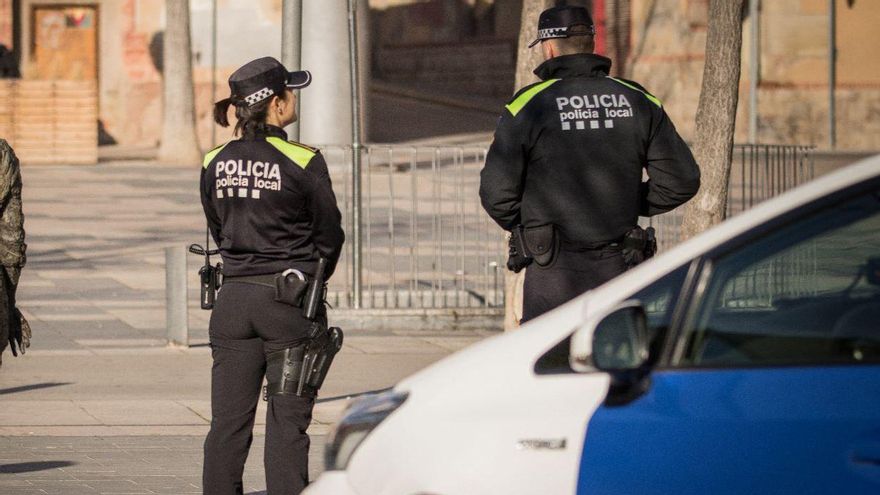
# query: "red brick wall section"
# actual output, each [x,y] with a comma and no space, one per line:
[6,23]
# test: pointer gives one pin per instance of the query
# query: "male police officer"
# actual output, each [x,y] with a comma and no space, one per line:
[564,173]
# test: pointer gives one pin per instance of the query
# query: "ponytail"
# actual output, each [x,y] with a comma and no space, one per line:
[221,111]
[250,119]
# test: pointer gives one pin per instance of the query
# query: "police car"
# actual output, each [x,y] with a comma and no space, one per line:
[746,360]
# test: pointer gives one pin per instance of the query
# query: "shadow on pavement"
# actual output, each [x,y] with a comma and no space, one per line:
[30,467]
[36,386]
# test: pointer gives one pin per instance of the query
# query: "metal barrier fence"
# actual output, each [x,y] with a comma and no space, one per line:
[758,172]
[427,243]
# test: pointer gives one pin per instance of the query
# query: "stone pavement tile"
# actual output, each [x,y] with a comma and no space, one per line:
[35,282]
[44,413]
[86,316]
[112,487]
[140,412]
[11,483]
[100,465]
[71,350]
[62,487]
[392,345]
[329,413]
[142,319]
[452,343]
[98,329]
[125,303]
[139,279]
[62,275]
[121,342]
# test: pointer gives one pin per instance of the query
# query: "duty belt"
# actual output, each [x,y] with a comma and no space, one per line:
[266,279]
[577,246]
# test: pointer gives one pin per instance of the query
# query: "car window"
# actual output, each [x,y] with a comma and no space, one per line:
[659,300]
[807,294]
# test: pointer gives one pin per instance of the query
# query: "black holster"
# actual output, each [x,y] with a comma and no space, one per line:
[639,245]
[210,279]
[319,356]
[290,288]
[301,370]
[542,244]
[283,371]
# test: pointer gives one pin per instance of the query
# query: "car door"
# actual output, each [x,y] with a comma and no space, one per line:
[770,379]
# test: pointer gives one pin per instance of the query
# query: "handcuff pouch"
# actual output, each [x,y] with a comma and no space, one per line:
[290,287]
[542,243]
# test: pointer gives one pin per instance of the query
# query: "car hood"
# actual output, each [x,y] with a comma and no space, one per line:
[500,359]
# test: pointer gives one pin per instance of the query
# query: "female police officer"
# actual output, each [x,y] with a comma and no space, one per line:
[270,208]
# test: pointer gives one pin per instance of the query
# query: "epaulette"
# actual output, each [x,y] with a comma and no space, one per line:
[297,152]
[211,154]
[297,143]
[638,87]
[525,95]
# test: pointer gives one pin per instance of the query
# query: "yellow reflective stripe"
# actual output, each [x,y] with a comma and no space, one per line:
[211,154]
[299,154]
[651,97]
[516,105]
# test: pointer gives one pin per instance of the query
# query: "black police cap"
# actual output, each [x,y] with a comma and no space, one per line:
[264,77]
[562,22]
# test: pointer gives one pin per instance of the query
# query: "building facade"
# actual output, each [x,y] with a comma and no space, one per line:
[667,54]
[468,46]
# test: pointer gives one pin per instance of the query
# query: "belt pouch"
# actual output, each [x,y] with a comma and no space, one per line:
[289,289]
[542,243]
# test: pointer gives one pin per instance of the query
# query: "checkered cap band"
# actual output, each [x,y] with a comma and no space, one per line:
[259,96]
[544,34]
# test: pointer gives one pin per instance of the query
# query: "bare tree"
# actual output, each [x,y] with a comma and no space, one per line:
[526,61]
[716,116]
[179,142]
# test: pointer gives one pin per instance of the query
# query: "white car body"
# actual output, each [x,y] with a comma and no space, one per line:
[462,428]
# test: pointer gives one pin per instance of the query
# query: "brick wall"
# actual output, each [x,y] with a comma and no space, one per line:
[668,52]
[6,23]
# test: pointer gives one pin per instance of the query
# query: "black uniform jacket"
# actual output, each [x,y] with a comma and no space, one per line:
[570,151]
[270,206]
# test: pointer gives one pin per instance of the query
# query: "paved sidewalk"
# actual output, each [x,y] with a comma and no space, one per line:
[118,465]
[132,420]
[99,404]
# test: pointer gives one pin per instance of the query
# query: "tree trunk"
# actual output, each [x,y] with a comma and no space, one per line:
[527,59]
[179,143]
[716,116]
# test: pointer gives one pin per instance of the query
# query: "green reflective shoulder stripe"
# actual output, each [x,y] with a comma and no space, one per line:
[211,154]
[516,105]
[651,97]
[299,154]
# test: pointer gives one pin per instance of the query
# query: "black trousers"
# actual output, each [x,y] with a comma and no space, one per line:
[572,274]
[247,324]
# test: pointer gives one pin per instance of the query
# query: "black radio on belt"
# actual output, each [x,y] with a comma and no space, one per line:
[210,276]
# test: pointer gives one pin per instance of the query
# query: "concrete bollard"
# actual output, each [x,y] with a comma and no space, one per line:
[176,318]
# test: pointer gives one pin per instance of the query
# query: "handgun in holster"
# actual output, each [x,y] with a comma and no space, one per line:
[639,245]
[303,368]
